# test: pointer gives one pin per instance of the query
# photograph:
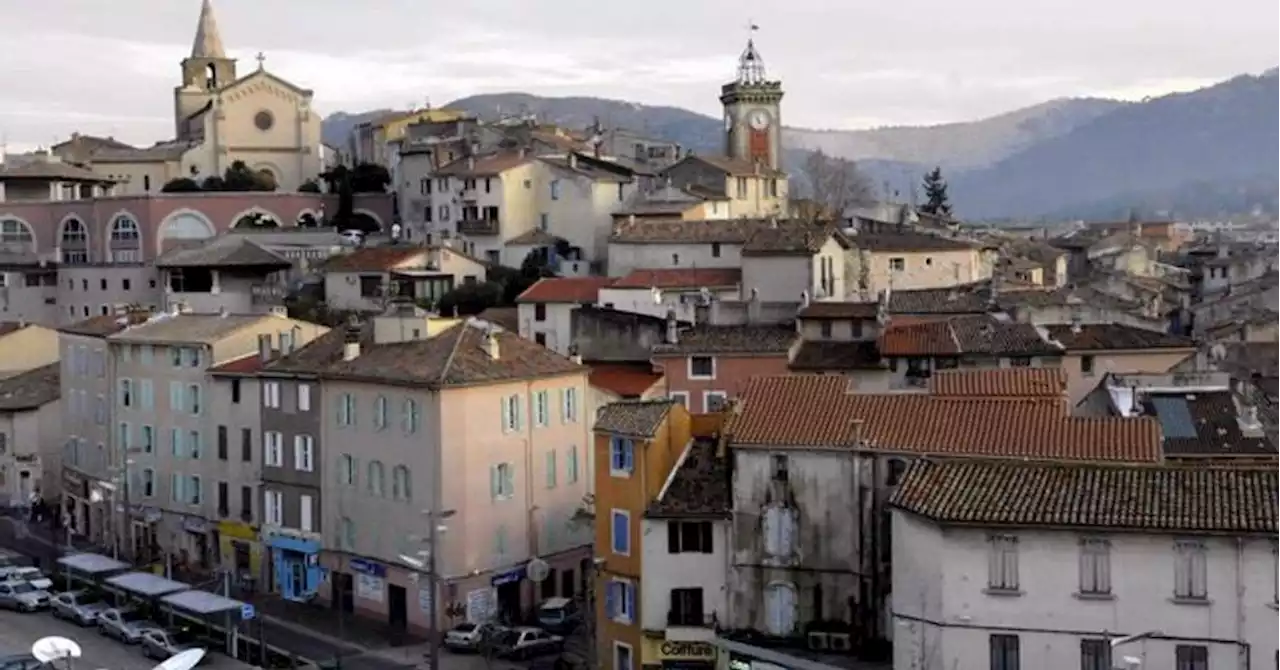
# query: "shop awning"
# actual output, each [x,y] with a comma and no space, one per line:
[146,584]
[92,564]
[203,602]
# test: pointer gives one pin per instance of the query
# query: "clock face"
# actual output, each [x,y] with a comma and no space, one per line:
[759,119]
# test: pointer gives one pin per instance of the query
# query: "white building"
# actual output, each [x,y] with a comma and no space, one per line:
[1042,565]
[545,310]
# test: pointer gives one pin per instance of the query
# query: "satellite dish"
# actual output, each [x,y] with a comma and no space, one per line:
[537,570]
[54,648]
[183,660]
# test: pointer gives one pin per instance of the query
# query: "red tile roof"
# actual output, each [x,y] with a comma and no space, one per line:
[818,411]
[580,290]
[628,381]
[372,259]
[973,334]
[245,365]
[681,278]
[1006,383]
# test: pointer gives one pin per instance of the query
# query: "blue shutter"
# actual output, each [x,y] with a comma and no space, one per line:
[615,453]
[628,455]
[631,599]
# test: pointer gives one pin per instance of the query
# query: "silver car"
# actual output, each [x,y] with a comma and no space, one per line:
[160,644]
[22,597]
[126,625]
[78,607]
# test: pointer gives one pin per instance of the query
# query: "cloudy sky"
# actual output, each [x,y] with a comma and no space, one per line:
[109,67]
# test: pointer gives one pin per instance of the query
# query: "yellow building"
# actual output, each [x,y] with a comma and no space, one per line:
[239,548]
[637,443]
[25,346]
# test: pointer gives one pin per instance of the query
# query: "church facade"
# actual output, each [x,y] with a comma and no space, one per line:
[220,117]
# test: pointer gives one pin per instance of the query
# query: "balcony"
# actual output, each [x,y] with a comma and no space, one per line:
[686,626]
[479,227]
[268,294]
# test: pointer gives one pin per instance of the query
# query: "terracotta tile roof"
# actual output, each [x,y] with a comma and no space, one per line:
[535,237]
[791,237]
[506,317]
[106,324]
[32,389]
[701,486]
[1114,336]
[1116,498]
[485,166]
[831,309]
[633,418]
[974,334]
[245,365]
[908,241]
[579,290]
[1006,383]
[373,259]
[681,278]
[818,411]
[627,381]
[961,299]
[1203,424]
[736,339]
[825,355]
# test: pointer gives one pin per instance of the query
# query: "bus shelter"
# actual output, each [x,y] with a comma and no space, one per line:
[214,611]
[88,569]
[144,586]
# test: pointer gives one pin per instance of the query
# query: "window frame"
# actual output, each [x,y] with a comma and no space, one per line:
[622,456]
[616,547]
[1191,571]
[706,401]
[690,374]
[1095,566]
[1002,564]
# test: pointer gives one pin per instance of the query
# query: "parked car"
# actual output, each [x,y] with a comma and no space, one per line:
[527,642]
[19,662]
[78,607]
[27,573]
[124,624]
[559,615]
[466,637]
[22,597]
[160,644]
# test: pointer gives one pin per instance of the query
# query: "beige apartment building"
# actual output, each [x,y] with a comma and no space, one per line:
[24,346]
[163,416]
[369,279]
[750,189]
[898,259]
[480,425]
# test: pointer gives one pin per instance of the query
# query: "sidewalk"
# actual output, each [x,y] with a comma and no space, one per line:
[354,631]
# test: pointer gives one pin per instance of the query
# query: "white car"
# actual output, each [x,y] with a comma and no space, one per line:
[468,636]
[31,575]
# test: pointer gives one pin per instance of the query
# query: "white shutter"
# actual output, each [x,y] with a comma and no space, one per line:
[787,531]
[771,530]
[304,397]
[304,522]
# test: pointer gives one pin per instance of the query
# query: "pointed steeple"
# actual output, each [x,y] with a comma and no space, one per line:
[208,42]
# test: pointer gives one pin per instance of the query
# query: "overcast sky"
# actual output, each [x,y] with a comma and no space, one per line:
[109,67]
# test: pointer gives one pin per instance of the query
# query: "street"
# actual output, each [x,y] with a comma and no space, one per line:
[18,631]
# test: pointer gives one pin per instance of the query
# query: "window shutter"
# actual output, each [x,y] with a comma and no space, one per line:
[509,479]
[673,537]
[506,415]
[631,600]
[494,482]
[769,528]
[708,543]
[519,415]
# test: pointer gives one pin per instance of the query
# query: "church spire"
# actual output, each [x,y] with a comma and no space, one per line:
[750,64]
[208,42]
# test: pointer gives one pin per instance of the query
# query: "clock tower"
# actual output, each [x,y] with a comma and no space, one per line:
[752,112]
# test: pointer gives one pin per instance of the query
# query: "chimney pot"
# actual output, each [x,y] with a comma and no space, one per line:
[491,346]
[673,328]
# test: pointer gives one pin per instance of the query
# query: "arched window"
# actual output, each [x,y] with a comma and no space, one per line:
[125,244]
[380,412]
[74,242]
[16,236]
[400,484]
[377,479]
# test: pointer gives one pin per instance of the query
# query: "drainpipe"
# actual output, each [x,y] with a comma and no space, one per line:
[530,522]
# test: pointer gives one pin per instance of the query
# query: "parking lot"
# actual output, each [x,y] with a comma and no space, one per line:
[18,631]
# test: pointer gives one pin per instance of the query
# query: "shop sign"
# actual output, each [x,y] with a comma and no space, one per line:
[686,651]
[509,577]
[193,524]
[237,529]
[367,567]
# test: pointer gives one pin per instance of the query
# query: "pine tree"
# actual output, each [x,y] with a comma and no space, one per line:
[935,192]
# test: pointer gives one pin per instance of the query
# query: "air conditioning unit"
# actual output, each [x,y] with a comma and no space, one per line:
[819,641]
[839,642]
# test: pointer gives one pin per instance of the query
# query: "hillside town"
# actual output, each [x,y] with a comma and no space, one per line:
[491,390]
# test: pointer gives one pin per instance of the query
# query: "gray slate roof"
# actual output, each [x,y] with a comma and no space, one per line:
[633,418]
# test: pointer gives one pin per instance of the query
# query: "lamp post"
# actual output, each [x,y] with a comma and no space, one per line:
[426,560]
[1131,662]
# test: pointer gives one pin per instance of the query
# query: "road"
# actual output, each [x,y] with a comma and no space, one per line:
[18,631]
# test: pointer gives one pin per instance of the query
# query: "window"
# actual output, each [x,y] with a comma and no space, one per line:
[620,532]
[1020,362]
[502,481]
[304,397]
[380,412]
[175,443]
[1004,652]
[897,264]
[246,445]
[702,367]
[126,393]
[303,453]
[781,466]
[1086,366]
[780,608]
[742,187]
[147,435]
[541,409]
[511,414]
[124,435]
[779,529]
[235,391]
[347,470]
[175,356]
[620,600]
[306,507]
[1190,571]
[273,508]
[623,656]
[540,338]
[222,443]
[1095,654]
[1095,566]
[539,312]
[569,412]
[412,416]
[273,449]
[376,479]
[346,410]
[1191,657]
[621,456]
[401,485]
[551,469]
[555,189]
[714,401]
[689,537]
[571,466]
[246,502]
[1002,566]
[686,607]
[148,483]
[194,397]
[194,493]
[223,494]
[271,395]
[715,249]
[197,443]
[176,482]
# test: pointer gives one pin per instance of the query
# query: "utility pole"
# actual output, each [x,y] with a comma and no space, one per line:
[426,560]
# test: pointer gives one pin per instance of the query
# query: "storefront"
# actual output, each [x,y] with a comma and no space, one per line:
[75,502]
[240,552]
[198,545]
[508,585]
[674,655]
[295,562]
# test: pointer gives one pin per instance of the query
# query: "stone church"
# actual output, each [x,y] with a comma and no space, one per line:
[219,117]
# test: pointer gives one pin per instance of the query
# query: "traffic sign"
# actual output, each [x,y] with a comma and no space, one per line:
[247,612]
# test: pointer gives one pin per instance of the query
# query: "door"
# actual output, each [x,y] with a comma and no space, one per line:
[297,579]
[397,609]
[342,587]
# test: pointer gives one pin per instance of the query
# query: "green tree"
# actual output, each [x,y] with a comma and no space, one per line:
[181,185]
[214,183]
[240,177]
[935,192]
[470,299]
[309,186]
[370,178]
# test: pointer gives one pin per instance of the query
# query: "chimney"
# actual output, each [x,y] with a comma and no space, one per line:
[264,347]
[491,345]
[673,328]
[351,341]
[1076,326]
[471,162]
[631,219]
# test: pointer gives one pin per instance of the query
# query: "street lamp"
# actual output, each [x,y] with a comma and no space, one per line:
[1131,662]
[425,560]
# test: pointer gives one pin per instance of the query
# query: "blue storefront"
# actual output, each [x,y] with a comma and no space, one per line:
[295,565]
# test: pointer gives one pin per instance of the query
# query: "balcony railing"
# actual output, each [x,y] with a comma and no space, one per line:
[478,227]
[690,619]
[268,294]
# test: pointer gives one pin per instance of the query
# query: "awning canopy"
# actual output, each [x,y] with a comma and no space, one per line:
[92,564]
[146,584]
[202,602]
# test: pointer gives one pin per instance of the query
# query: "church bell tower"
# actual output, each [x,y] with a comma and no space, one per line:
[204,72]
[752,112]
